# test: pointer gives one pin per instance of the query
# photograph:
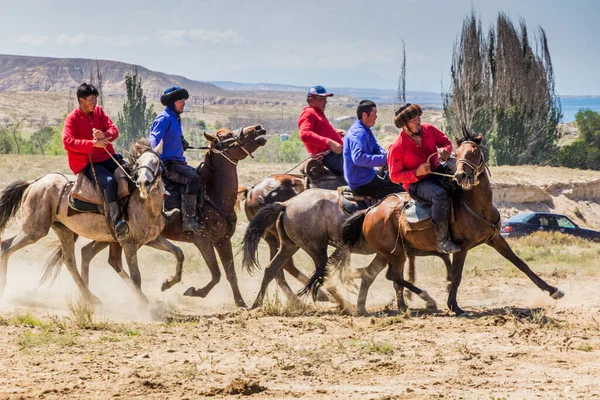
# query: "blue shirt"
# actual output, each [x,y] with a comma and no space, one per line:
[167,127]
[362,154]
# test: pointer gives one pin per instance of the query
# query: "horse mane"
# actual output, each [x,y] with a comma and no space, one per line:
[138,147]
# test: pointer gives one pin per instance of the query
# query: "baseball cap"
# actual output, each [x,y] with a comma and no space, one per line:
[318,91]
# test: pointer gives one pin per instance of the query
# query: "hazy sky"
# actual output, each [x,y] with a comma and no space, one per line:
[328,42]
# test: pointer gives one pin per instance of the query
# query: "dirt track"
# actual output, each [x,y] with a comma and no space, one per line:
[196,348]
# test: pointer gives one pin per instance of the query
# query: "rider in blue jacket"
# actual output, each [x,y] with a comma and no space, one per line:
[167,127]
[362,154]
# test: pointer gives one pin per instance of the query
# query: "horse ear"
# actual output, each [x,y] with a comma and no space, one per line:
[158,149]
[208,137]
[478,139]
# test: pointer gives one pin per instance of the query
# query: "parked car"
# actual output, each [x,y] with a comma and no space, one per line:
[526,223]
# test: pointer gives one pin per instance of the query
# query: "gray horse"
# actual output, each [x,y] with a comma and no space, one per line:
[44,204]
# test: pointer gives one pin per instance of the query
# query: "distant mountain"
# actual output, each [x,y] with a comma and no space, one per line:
[378,95]
[63,75]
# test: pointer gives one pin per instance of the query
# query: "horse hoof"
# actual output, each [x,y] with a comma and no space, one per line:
[165,286]
[322,297]
[558,294]
[190,292]
[463,315]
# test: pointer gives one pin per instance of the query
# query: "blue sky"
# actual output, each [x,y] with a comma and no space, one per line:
[328,42]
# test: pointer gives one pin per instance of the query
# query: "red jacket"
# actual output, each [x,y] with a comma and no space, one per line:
[405,156]
[78,139]
[315,131]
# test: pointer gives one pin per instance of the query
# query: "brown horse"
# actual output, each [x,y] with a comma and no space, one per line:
[476,221]
[225,151]
[44,205]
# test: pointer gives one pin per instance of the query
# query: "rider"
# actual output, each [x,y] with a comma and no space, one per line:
[412,156]
[87,137]
[362,153]
[167,127]
[321,139]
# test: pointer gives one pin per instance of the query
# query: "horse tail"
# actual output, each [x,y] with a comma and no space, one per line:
[54,262]
[242,193]
[10,201]
[264,220]
[352,228]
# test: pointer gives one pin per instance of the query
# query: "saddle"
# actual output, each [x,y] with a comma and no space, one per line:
[84,197]
[351,202]
[318,176]
[418,214]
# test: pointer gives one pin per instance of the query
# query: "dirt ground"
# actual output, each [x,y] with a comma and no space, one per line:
[516,343]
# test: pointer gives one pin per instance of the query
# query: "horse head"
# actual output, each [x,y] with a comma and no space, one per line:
[146,166]
[237,146]
[470,161]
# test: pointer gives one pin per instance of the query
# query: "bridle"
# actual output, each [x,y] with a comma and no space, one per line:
[476,170]
[222,146]
[156,173]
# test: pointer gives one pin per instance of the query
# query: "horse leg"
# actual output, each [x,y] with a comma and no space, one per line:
[286,250]
[11,245]
[160,243]
[67,241]
[458,261]
[130,250]
[88,252]
[448,264]
[226,254]
[411,274]
[208,253]
[502,247]
[395,273]
[369,274]
[279,276]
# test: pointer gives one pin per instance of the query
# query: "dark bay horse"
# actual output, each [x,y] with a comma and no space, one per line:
[226,150]
[476,221]
[44,204]
[310,221]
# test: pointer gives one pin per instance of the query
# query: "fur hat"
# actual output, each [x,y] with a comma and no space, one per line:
[406,113]
[172,94]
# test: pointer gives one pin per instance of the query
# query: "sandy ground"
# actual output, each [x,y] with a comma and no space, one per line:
[516,343]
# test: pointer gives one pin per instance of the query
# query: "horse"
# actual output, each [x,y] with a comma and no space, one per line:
[44,204]
[476,221]
[311,220]
[226,149]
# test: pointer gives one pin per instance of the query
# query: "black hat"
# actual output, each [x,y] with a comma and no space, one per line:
[172,94]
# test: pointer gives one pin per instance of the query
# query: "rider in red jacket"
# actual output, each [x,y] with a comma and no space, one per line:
[321,139]
[411,158]
[87,135]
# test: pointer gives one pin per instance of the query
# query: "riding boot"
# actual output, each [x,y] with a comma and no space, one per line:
[188,210]
[444,244]
[116,216]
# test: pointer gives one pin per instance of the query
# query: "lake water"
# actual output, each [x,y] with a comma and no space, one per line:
[570,106]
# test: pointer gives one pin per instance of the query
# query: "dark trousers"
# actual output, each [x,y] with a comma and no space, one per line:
[379,188]
[433,191]
[104,173]
[334,162]
[184,174]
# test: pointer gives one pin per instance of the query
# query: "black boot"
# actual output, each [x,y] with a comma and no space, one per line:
[116,216]
[188,210]
[444,244]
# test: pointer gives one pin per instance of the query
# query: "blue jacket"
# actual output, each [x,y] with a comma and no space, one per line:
[167,127]
[362,154]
